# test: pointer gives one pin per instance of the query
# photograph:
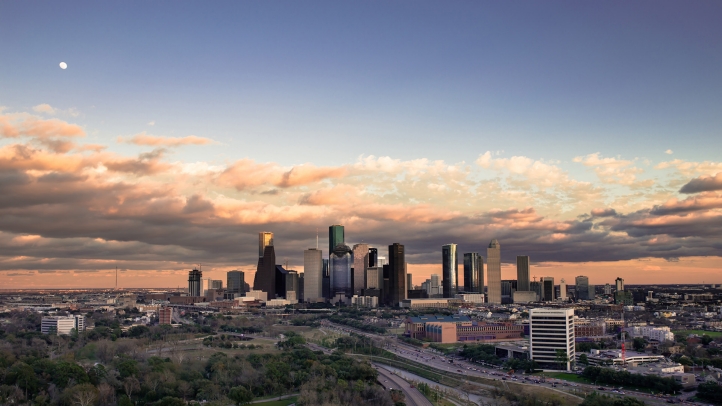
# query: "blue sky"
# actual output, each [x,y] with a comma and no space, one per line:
[564,129]
[446,81]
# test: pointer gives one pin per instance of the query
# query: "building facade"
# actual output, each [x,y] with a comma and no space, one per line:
[449,270]
[397,274]
[360,266]
[551,337]
[265,278]
[265,239]
[165,315]
[548,289]
[62,325]
[582,287]
[194,283]
[473,273]
[313,275]
[522,273]
[493,272]
[236,282]
[340,264]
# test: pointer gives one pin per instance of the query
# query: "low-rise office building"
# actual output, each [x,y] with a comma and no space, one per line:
[452,329]
[62,325]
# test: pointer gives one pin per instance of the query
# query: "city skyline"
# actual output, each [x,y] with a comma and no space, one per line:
[583,140]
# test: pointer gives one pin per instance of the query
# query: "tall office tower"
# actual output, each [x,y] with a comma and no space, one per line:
[194,282]
[581,289]
[340,270]
[435,286]
[381,261]
[507,289]
[409,282]
[591,292]
[547,289]
[397,274]
[265,279]
[522,272]
[235,282]
[313,275]
[373,257]
[326,280]
[301,285]
[449,270]
[620,284]
[426,286]
[493,272]
[551,330]
[374,278]
[360,266]
[536,287]
[216,284]
[473,273]
[607,289]
[335,237]
[292,292]
[265,239]
[563,289]
[280,279]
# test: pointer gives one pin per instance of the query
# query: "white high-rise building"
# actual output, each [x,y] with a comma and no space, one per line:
[360,267]
[62,325]
[435,285]
[551,337]
[312,275]
[563,289]
[493,272]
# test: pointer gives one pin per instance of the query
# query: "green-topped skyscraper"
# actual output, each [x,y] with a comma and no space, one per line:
[335,237]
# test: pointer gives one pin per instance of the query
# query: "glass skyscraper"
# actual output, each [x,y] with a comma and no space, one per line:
[493,272]
[449,270]
[473,272]
[522,272]
[340,270]
[335,237]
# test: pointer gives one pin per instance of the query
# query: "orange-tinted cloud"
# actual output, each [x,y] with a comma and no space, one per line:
[21,125]
[160,141]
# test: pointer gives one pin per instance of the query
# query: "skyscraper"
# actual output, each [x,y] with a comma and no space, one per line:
[340,269]
[547,289]
[235,282]
[312,275]
[360,266]
[563,289]
[473,272]
[620,284]
[265,239]
[326,280]
[335,237]
[373,257]
[194,282]
[522,272]
[493,272]
[449,270]
[409,282]
[265,279]
[551,332]
[436,290]
[397,274]
[582,287]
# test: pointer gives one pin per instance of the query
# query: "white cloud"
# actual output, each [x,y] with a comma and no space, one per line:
[669,152]
[613,170]
[45,108]
[151,123]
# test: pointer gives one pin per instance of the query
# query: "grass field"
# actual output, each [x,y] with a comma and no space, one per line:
[566,377]
[284,402]
[713,334]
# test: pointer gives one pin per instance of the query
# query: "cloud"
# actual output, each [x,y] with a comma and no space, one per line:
[613,170]
[604,212]
[160,141]
[44,108]
[669,152]
[248,174]
[703,184]
[151,123]
[689,168]
[17,125]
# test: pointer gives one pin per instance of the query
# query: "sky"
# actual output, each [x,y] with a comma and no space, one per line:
[585,135]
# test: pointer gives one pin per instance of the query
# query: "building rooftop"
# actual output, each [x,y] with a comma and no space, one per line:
[494,244]
[434,318]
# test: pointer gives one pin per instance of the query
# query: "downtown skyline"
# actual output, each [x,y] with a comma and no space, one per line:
[582,138]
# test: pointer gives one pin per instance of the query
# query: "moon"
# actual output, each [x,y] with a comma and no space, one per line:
[63,65]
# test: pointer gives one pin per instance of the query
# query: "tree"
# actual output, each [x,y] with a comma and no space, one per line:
[583,359]
[131,384]
[240,395]
[639,344]
[84,394]
[562,359]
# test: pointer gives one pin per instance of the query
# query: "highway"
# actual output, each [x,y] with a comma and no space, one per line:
[442,363]
[391,381]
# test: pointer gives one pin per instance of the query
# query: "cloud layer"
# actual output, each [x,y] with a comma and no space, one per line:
[80,207]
